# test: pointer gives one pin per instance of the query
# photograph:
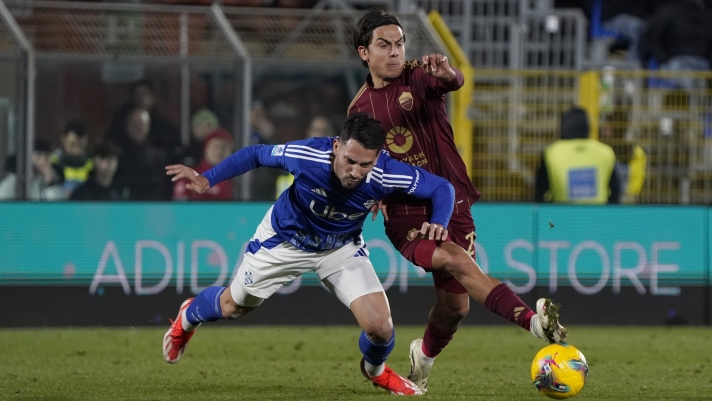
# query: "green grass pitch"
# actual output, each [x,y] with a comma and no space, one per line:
[321,363]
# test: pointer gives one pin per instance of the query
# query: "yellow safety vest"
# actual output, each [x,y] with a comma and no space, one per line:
[283,182]
[636,171]
[579,170]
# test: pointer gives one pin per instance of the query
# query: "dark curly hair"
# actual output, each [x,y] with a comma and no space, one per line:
[365,130]
[375,17]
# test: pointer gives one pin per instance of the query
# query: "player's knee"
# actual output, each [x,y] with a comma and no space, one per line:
[379,330]
[231,310]
[457,262]
[458,311]
[450,313]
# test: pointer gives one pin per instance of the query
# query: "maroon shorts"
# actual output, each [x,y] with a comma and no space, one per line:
[461,231]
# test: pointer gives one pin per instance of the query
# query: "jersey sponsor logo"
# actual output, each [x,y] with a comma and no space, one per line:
[406,100]
[278,150]
[330,212]
[248,278]
[399,140]
[369,203]
[319,191]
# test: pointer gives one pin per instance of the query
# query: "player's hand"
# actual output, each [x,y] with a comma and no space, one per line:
[197,183]
[429,231]
[436,65]
[382,206]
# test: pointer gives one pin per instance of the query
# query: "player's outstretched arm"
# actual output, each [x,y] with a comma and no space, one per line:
[197,182]
[417,182]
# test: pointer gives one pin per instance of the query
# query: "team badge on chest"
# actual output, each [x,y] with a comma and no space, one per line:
[406,100]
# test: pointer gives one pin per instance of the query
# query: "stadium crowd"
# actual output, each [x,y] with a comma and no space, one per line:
[125,159]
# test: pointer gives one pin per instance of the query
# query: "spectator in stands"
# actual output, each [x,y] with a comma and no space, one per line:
[628,19]
[101,186]
[679,38]
[631,159]
[71,159]
[262,128]
[141,163]
[202,124]
[262,181]
[216,147]
[46,183]
[319,127]
[162,134]
[576,168]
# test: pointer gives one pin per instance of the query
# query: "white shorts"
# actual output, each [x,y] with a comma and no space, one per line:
[269,263]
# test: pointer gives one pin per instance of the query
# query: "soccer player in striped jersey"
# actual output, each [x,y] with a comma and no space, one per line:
[408,98]
[315,225]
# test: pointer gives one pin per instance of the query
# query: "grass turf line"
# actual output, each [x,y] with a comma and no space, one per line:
[321,363]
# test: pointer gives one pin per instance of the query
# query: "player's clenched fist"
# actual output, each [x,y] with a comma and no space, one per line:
[198,183]
[438,66]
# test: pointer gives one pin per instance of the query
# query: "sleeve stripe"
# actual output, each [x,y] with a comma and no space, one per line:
[392,177]
[307,158]
[408,177]
[392,183]
[379,172]
[308,153]
[398,182]
[292,147]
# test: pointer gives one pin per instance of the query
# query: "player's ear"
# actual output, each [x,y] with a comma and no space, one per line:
[363,53]
[336,144]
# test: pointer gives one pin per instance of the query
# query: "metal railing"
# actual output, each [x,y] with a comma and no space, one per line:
[241,40]
[516,114]
[516,34]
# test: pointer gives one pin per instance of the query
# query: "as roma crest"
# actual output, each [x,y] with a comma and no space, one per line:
[406,100]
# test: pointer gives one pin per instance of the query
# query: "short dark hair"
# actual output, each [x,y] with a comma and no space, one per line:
[77,127]
[574,124]
[105,149]
[365,130]
[375,17]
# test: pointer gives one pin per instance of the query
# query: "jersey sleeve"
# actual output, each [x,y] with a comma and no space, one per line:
[292,157]
[435,87]
[402,177]
[246,159]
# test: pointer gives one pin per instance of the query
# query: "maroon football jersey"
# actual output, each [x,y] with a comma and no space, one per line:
[412,111]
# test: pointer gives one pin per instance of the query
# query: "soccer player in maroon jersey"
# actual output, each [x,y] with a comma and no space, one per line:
[408,98]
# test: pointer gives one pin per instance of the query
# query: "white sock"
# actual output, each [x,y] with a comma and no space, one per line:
[426,359]
[535,327]
[374,370]
[186,325]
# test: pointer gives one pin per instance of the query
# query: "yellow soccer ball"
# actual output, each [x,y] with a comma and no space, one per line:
[559,371]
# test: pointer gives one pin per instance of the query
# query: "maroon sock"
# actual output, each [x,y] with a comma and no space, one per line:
[435,340]
[504,302]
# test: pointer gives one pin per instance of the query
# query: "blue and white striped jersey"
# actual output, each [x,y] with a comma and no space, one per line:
[317,213]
